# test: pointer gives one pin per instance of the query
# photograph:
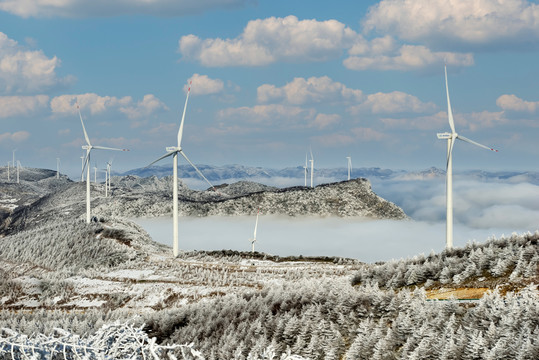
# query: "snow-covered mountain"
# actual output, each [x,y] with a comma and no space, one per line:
[232,173]
[133,196]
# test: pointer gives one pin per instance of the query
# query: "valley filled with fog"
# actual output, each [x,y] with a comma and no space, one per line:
[482,210]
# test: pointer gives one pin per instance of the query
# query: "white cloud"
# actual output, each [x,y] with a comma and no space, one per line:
[146,107]
[67,104]
[429,122]
[26,71]
[322,121]
[15,137]
[203,85]
[479,22]
[407,57]
[481,120]
[312,90]
[513,103]
[268,114]
[11,106]
[393,102]
[355,135]
[265,41]
[82,8]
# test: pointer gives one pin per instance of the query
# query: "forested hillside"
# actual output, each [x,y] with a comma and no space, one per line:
[232,305]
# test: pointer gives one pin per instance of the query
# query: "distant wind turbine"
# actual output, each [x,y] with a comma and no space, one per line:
[349,166]
[451,137]
[305,169]
[18,168]
[57,168]
[253,239]
[174,151]
[312,168]
[107,185]
[88,147]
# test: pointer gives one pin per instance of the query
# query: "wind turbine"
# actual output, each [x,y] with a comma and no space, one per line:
[305,170]
[174,151]
[57,168]
[451,137]
[95,173]
[107,185]
[349,166]
[18,168]
[312,167]
[88,147]
[253,240]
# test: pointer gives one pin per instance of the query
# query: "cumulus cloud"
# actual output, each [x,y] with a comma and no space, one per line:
[269,114]
[393,102]
[96,104]
[359,134]
[322,121]
[82,8]
[428,122]
[407,57]
[15,137]
[27,71]
[203,85]
[143,108]
[312,90]
[12,106]
[514,103]
[464,22]
[265,41]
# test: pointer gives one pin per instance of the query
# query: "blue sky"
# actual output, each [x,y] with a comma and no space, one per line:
[270,79]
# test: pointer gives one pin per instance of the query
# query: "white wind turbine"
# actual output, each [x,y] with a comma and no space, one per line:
[57,168]
[107,185]
[173,151]
[312,168]
[88,147]
[305,169]
[253,239]
[451,137]
[349,166]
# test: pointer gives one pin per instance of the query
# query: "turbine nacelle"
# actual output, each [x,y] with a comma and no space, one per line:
[444,136]
[171,149]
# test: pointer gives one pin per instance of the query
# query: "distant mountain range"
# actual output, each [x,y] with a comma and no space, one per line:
[231,173]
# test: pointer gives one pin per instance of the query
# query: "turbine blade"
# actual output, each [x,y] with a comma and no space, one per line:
[161,158]
[86,162]
[198,171]
[83,128]
[450,153]
[465,139]
[449,111]
[180,132]
[108,148]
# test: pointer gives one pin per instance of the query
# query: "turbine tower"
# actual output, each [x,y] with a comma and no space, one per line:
[305,169]
[107,185]
[312,168]
[253,240]
[8,170]
[451,137]
[18,168]
[349,166]
[88,147]
[57,168]
[174,151]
